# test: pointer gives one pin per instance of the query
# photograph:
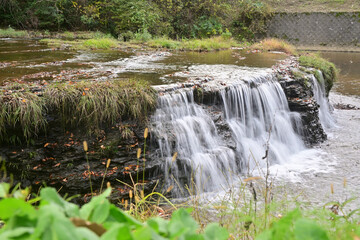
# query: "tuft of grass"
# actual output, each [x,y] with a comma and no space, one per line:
[328,69]
[12,33]
[21,114]
[273,44]
[100,43]
[164,42]
[91,104]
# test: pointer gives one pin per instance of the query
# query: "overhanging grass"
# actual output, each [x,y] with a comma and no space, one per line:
[328,69]
[91,104]
[273,44]
[21,114]
[87,105]
[12,33]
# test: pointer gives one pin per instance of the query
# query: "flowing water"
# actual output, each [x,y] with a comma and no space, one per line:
[218,143]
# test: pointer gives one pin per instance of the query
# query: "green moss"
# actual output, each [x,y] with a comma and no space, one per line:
[327,68]
[87,105]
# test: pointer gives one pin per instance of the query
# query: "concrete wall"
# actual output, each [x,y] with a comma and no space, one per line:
[321,29]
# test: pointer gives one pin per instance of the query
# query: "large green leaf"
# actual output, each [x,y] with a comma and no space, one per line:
[12,206]
[306,229]
[50,196]
[119,216]
[118,232]
[214,232]
[181,223]
[17,233]
[97,204]
[159,225]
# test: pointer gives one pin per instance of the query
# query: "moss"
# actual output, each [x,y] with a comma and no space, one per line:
[327,68]
[87,105]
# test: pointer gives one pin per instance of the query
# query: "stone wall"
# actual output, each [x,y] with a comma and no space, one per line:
[317,29]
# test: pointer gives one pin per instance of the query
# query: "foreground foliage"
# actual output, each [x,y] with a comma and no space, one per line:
[55,218]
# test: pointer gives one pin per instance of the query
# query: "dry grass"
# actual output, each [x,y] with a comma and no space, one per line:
[273,44]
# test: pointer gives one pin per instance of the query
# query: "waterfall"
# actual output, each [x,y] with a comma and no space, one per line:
[258,119]
[327,121]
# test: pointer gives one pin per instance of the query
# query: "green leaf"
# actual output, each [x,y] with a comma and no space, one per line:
[100,212]
[87,211]
[159,225]
[181,223]
[214,232]
[143,233]
[118,231]
[86,234]
[50,196]
[117,215]
[12,206]
[20,232]
[308,230]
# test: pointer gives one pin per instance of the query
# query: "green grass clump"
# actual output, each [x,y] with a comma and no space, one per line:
[164,43]
[92,104]
[328,69]
[273,44]
[101,43]
[21,114]
[12,33]
[94,43]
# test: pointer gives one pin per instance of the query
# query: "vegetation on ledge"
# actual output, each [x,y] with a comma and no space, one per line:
[273,44]
[89,105]
[328,69]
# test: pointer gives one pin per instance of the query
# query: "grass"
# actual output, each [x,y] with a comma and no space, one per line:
[21,114]
[90,44]
[273,44]
[88,105]
[328,69]
[208,44]
[12,33]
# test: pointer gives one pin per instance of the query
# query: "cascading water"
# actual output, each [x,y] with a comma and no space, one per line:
[258,118]
[327,121]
